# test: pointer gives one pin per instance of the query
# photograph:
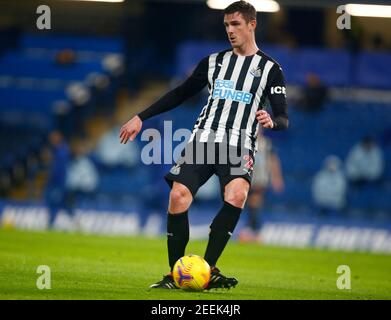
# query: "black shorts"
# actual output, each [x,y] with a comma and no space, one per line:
[197,164]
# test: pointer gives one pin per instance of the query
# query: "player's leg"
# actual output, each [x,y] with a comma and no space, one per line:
[178,222]
[223,225]
[184,179]
[177,230]
[235,179]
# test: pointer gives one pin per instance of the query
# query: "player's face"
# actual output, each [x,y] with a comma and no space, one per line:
[238,30]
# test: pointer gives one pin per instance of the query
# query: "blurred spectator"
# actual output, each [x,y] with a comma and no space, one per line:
[65,57]
[83,177]
[267,171]
[329,186]
[365,162]
[111,153]
[314,94]
[55,194]
[114,64]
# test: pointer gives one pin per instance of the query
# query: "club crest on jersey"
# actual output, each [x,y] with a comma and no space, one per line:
[256,72]
[176,169]
[225,89]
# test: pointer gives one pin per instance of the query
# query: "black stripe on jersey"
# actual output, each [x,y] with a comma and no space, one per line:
[218,63]
[254,88]
[220,105]
[254,125]
[260,107]
[239,86]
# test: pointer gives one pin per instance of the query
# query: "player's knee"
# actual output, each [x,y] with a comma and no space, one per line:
[237,197]
[180,196]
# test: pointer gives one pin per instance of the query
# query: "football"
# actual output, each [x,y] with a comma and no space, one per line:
[191,273]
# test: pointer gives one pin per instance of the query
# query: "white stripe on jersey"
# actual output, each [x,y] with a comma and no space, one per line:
[256,102]
[228,103]
[241,106]
[204,135]
[211,69]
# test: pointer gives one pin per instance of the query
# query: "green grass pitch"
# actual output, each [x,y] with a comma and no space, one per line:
[100,267]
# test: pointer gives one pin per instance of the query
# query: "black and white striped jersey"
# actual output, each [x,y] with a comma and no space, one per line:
[238,87]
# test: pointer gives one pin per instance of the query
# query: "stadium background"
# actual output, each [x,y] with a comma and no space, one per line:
[127,54]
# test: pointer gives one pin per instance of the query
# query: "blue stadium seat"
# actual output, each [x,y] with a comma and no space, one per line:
[29,100]
[374,70]
[49,41]
[332,65]
[49,69]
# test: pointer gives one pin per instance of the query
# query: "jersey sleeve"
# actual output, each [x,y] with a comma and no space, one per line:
[276,93]
[192,85]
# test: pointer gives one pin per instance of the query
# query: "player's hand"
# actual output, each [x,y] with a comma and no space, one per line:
[130,129]
[264,119]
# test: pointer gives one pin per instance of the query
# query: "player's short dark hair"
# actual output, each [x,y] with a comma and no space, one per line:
[246,9]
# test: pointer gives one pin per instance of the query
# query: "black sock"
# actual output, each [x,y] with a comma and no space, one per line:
[177,236]
[221,229]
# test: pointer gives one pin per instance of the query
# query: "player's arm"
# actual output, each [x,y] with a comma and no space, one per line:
[192,85]
[276,93]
